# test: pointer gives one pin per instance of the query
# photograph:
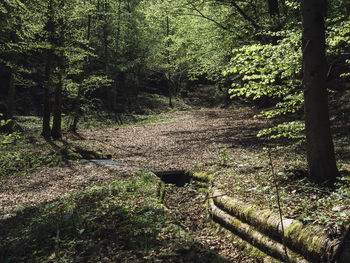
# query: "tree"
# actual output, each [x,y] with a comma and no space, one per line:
[50,28]
[320,151]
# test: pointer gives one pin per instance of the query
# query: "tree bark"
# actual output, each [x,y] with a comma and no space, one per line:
[168,62]
[77,100]
[11,100]
[109,92]
[46,130]
[116,62]
[320,151]
[56,132]
[76,110]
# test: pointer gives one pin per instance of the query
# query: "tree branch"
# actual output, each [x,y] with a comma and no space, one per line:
[241,12]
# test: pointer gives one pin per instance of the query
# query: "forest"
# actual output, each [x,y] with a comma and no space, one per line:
[175,131]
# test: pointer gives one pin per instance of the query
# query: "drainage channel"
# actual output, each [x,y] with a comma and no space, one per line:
[181,193]
[176,177]
[107,161]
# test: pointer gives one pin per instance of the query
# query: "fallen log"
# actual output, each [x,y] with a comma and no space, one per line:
[253,236]
[310,241]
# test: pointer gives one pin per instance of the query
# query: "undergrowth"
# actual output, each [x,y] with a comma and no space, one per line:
[120,222]
[249,178]
[24,150]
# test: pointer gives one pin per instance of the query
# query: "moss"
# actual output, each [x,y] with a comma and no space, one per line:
[201,184]
[250,250]
[161,191]
[264,215]
[315,244]
[236,223]
[293,230]
[247,213]
[304,237]
[202,177]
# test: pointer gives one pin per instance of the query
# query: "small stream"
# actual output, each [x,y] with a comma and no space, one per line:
[108,161]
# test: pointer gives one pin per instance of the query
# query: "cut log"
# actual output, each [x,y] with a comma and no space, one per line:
[253,236]
[310,241]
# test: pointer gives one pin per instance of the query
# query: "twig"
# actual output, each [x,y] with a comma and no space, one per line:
[279,204]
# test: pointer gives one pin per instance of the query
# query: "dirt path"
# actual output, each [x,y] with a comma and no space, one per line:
[185,140]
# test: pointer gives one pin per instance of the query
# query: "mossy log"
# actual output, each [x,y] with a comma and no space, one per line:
[253,236]
[310,241]
[161,192]
[202,177]
[245,246]
[261,230]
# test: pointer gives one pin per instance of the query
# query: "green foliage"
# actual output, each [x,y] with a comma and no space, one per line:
[18,155]
[293,131]
[338,39]
[122,221]
[269,71]
[222,155]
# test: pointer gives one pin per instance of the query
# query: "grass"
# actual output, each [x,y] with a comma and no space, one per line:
[24,150]
[120,222]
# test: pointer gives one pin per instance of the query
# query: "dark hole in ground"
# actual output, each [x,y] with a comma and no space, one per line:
[176,177]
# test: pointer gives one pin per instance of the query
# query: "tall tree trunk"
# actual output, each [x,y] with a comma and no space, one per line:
[109,92]
[46,130]
[116,61]
[56,132]
[77,100]
[168,61]
[76,110]
[320,151]
[46,106]
[11,99]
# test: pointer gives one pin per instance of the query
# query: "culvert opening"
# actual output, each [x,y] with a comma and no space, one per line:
[177,177]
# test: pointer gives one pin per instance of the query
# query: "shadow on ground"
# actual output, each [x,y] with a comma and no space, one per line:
[120,222]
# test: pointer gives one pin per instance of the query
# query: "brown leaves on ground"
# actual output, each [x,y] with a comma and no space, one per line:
[178,144]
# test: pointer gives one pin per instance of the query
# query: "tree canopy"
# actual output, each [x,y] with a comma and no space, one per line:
[75,55]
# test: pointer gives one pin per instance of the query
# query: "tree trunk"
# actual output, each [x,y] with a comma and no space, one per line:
[57,114]
[46,114]
[46,130]
[320,151]
[11,100]
[77,100]
[109,92]
[76,110]
[116,61]
[168,61]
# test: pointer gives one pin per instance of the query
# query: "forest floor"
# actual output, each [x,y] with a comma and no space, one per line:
[183,141]
[219,141]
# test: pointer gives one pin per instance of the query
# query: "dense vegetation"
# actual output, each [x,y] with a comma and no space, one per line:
[69,65]
[69,57]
